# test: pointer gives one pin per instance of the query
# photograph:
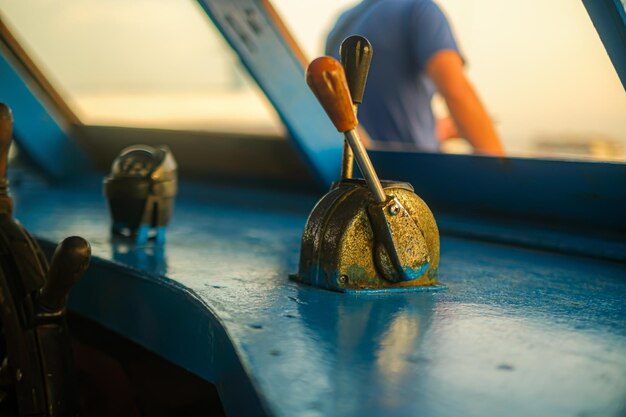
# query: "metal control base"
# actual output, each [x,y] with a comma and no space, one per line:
[340,246]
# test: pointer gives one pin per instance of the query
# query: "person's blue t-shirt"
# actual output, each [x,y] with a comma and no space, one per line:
[404,34]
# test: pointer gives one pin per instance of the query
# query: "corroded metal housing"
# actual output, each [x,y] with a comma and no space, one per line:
[341,249]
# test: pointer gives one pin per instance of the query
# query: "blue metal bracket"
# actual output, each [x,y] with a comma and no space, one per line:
[609,18]
[39,133]
[253,35]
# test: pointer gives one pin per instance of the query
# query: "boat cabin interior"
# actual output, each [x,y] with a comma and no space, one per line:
[190,224]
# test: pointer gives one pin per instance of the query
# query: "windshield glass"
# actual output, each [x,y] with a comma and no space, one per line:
[140,63]
[542,73]
[544,76]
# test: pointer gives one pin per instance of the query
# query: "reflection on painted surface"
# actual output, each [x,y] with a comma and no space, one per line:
[150,258]
[396,345]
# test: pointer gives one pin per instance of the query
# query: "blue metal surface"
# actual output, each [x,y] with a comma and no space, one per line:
[609,19]
[519,332]
[568,206]
[40,134]
[248,29]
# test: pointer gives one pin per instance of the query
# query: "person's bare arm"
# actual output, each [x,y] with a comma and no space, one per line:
[446,70]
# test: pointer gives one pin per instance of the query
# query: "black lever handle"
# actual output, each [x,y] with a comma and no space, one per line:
[69,263]
[356,55]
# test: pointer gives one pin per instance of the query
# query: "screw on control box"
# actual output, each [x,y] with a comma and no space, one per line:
[141,190]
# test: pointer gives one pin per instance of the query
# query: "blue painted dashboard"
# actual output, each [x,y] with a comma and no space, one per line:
[519,332]
[533,254]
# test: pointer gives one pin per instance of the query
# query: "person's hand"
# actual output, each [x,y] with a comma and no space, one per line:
[445,128]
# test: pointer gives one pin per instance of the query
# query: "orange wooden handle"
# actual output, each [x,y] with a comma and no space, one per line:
[6,134]
[327,80]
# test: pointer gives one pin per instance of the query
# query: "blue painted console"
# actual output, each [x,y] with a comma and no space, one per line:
[519,332]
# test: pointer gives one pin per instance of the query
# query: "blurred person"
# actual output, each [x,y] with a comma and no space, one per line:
[415,55]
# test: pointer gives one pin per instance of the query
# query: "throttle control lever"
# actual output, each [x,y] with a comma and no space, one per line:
[364,235]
